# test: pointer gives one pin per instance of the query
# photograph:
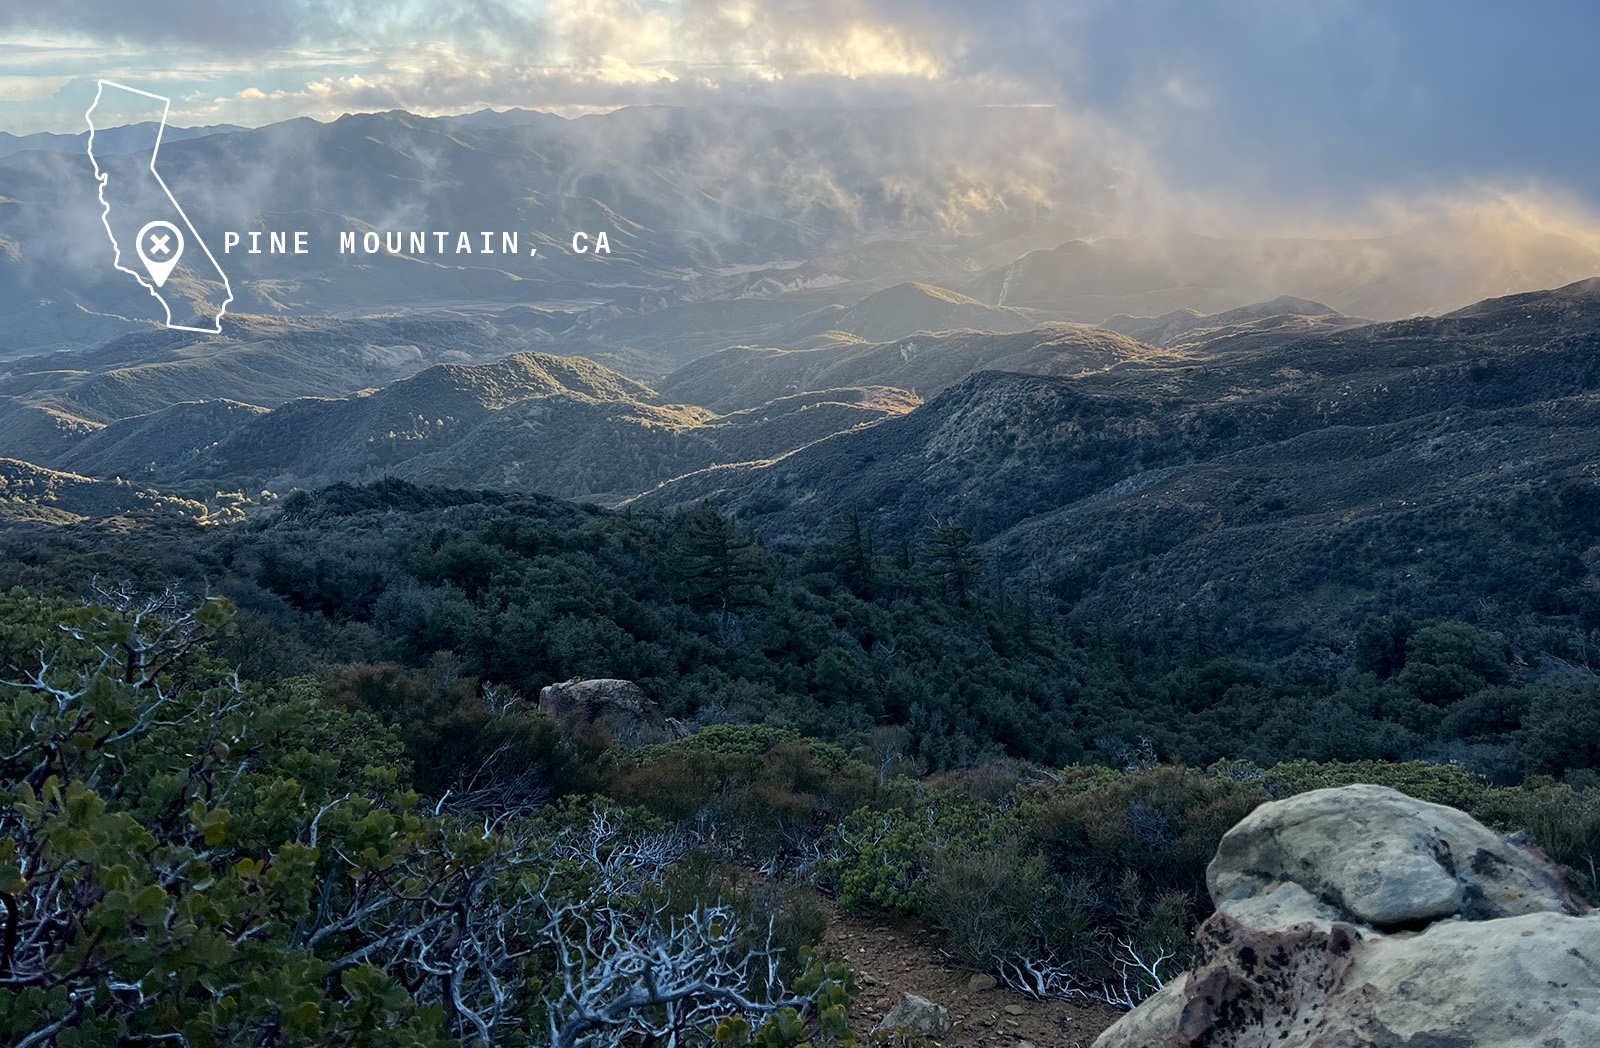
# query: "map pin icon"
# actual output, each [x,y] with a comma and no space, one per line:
[159,245]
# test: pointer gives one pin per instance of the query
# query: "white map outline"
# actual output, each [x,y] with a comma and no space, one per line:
[105,214]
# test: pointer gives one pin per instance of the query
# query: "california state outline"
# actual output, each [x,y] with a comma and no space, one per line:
[152,240]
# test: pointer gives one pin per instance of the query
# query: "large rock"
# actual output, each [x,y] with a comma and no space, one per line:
[620,707]
[1360,917]
[1386,860]
[1284,907]
[1516,982]
[917,1014]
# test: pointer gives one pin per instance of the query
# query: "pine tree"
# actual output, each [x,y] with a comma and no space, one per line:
[857,561]
[719,563]
[954,562]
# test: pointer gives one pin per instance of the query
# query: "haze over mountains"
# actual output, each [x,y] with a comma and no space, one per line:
[799,321]
[731,226]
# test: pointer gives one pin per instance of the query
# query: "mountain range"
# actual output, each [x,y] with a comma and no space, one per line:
[1273,465]
[1286,481]
[733,227]
[796,326]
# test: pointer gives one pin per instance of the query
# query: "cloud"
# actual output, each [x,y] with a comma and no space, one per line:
[1339,115]
[31,88]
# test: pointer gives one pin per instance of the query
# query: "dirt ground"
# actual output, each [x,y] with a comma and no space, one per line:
[889,959]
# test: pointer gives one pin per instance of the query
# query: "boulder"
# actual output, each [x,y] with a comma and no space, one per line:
[620,707]
[1283,907]
[1515,982]
[917,1014]
[1360,917]
[1386,860]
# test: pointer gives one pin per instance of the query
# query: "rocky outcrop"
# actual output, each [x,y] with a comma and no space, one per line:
[917,1014]
[1359,916]
[618,707]
[1386,860]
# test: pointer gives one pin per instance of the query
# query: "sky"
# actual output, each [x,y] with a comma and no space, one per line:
[1314,103]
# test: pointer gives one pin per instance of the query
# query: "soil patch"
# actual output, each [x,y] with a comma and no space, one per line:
[895,957]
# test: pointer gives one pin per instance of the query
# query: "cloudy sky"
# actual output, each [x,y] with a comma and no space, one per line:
[1327,98]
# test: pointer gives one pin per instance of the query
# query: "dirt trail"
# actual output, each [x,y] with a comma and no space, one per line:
[891,958]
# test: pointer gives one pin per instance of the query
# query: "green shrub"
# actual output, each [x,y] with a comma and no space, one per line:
[884,855]
[1448,784]
[1163,824]
[1561,731]
[1004,902]
[1563,821]
[743,740]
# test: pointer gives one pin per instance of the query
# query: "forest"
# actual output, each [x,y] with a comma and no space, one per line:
[296,767]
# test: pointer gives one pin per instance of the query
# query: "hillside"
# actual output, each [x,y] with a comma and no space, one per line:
[906,309]
[259,361]
[31,494]
[158,444]
[529,422]
[1239,487]
[927,364]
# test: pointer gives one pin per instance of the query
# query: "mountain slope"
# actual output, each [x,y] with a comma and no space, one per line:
[571,446]
[573,437]
[161,443]
[1217,467]
[906,309]
[29,493]
[259,361]
[528,422]
[927,364]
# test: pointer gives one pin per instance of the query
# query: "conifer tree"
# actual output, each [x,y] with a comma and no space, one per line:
[719,563]
[954,562]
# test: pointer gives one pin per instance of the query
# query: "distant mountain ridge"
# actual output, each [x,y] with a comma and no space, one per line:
[682,194]
[108,140]
[1424,271]
[1190,328]
[728,226]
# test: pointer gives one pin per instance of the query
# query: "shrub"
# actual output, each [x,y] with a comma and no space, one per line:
[1448,784]
[1163,824]
[744,740]
[1004,903]
[1565,822]
[884,855]
[1561,731]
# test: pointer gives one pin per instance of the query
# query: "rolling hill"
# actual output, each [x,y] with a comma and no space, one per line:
[48,402]
[528,422]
